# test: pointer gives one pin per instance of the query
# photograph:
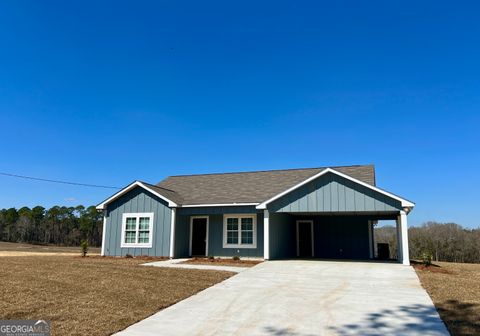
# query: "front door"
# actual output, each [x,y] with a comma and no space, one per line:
[304,238]
[199,236]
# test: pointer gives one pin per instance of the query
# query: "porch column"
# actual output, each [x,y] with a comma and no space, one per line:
[172,233]
[266,234]
[104,231]
[402,238]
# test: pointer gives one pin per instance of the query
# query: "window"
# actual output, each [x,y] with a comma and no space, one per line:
[137,230]
[239,231]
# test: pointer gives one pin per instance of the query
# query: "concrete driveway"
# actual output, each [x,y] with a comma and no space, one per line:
[302,297]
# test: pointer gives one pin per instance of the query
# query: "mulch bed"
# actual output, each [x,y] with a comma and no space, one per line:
[430,268]
[222,262]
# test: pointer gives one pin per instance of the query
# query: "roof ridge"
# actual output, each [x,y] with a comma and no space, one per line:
[270,170]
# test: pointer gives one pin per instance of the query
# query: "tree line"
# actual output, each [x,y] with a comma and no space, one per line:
[68,226]
[442,241]
[58,225]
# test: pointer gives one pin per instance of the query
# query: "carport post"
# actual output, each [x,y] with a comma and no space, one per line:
[402,238]
[266,234]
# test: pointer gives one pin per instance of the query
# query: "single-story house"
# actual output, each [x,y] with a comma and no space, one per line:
[324,212]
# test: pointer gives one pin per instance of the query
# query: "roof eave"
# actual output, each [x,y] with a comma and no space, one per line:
[134,184]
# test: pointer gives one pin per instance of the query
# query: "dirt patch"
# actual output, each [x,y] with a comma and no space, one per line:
[222,262]
[93,295]
[455,291]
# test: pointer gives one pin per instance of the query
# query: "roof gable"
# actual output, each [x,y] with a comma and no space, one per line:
[330,191]
[165,194]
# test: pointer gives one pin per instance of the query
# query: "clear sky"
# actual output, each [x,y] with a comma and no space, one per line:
[109,92]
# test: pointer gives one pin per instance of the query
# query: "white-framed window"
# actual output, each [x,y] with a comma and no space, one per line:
[137,229]
[240,231]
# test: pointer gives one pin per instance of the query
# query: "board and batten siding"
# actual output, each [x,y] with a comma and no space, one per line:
[138,200]
[333,193]
[215,231]
[282,236]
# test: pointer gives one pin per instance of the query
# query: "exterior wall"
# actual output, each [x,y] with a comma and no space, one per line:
[282,236]
[333,193]
[138,200]
[337,237]
[215,231]
[341,237]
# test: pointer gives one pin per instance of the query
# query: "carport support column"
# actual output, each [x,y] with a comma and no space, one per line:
[172,233]
[402,238]
[266,234]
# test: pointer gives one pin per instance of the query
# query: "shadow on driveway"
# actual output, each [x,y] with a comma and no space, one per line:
[418,320]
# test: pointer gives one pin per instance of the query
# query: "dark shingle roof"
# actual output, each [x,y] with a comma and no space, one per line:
[170,194]
[246,187]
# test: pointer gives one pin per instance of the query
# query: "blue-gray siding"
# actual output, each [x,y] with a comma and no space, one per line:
[215,231]
[282,236]
[341,237]
[338,237]
[138,200]
[333,193]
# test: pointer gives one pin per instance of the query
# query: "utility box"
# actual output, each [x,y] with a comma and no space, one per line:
[383,251]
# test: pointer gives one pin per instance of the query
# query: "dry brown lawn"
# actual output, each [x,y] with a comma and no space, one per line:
[93,295]
[222,262]
[455,291]
[21,249]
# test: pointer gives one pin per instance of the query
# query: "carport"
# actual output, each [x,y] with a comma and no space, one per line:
[331,216]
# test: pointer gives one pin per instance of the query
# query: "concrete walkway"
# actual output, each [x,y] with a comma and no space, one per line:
[301,297]
[177,263]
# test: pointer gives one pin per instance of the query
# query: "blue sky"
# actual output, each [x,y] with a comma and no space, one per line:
[110,92]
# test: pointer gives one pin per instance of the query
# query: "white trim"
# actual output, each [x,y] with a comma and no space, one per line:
[405,203]
[137,215]
[240,245]
[206,234]
[216,205]
[172,233]
[104,231]
[132,185]
[298,237]
[402,222]
[266,234]
[399,240]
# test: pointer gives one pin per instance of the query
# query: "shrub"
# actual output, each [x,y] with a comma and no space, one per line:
[236,258]
[427,258]
[211,258]
[128,256]
[84,247]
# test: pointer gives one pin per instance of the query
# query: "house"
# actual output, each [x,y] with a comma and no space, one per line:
[311,213]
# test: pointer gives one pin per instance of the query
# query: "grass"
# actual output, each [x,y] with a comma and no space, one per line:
[20,249]
[93,295]
[223,262]
[455,291]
